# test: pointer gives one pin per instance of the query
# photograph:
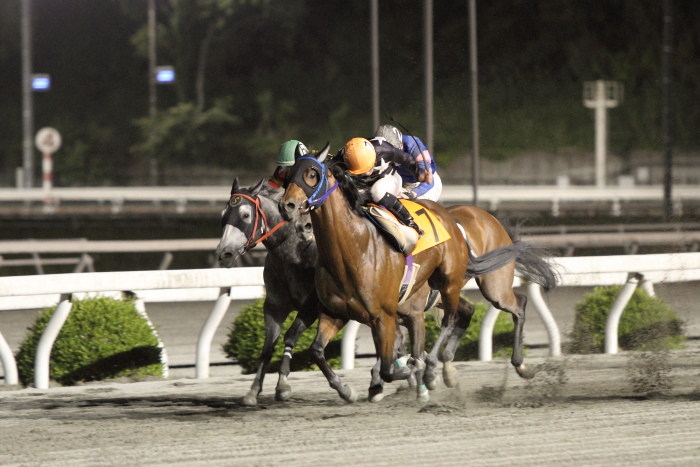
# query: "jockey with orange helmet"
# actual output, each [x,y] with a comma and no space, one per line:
[289,152]
[375,162]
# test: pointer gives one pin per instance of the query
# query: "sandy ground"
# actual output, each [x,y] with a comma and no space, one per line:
[579,410]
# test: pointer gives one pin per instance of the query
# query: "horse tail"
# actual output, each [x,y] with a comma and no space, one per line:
[529,261]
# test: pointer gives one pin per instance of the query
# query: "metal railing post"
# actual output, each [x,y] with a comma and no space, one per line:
[48,337]
[613,321]
[206,335]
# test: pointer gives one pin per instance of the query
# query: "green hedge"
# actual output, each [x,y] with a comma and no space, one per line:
[102,338]
[247,336]
[647,323]
[468,348]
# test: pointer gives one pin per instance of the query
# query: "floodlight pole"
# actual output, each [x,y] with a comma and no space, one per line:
[27,97]
[475,100]
[374,33]
[428,57]
[152,96]
[601,95]
[667,106]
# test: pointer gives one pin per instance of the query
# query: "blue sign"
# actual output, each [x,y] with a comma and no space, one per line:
[165,74]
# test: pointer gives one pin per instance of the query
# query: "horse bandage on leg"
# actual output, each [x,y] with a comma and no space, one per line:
[287,352]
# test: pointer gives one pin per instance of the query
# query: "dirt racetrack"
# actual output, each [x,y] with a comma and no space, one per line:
[579,410]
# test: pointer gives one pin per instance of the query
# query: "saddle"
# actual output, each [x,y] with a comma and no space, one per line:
[405,239]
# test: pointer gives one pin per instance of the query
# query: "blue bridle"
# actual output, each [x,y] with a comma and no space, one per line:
[317,195]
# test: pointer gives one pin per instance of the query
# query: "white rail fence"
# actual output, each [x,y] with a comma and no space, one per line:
[28,292]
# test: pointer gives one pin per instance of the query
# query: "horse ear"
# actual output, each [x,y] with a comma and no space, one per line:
[234,187]
[324,153]
[256,189]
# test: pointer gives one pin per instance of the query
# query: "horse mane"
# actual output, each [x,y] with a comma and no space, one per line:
[355,192]
[271,192]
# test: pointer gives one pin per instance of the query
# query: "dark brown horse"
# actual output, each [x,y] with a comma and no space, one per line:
[358,273]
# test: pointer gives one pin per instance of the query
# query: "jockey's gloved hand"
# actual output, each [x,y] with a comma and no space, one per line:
[409,195]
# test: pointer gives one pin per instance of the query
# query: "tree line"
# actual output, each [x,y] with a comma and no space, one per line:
[254,73]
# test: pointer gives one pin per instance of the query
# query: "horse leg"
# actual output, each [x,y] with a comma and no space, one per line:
[465,312]
[384,335]
[519,321]
[498,290]
[305,318]
[416,327]
[431,359]
[327,329]
[273,328]
[376,385]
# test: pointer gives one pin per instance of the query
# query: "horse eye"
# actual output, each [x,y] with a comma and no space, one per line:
[311,177]
[246,216]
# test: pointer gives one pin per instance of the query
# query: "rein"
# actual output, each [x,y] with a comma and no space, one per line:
[259,214]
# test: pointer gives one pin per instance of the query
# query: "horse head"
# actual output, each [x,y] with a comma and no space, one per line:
[243,222]
[307,187]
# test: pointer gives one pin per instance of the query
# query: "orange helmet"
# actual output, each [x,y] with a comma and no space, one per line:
[360,155]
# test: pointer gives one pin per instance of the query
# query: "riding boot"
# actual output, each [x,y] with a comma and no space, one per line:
[390,202]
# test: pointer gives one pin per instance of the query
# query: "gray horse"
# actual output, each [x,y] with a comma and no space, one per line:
[251,216]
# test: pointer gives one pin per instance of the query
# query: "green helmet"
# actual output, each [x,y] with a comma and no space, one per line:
[289,152]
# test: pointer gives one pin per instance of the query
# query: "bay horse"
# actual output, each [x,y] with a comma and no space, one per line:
[251,216]
[358,272]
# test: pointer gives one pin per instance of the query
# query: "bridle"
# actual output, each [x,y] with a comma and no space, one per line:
[317,195]
[259,223]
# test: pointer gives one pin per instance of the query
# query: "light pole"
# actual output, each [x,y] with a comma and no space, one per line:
[374,33]
[428,57]
[152,96]
[27,98]
[475,100]
[601,95]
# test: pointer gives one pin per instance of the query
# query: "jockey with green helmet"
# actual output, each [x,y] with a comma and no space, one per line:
[289,152]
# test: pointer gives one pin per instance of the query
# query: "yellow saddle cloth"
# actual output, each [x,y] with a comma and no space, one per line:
[435,233]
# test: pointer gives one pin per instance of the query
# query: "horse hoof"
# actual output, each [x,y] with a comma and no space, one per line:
[283,391]
[348,394]
[376,394]
[249,400]
[283,395]
[431,385]
[430,379]
[448,375]
[524,371]
[423,394]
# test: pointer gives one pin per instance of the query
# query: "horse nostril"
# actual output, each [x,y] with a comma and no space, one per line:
[290,207]
[227,255]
